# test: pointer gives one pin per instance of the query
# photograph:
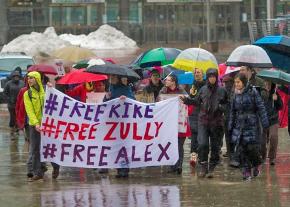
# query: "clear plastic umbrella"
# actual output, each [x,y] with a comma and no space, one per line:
[249,55]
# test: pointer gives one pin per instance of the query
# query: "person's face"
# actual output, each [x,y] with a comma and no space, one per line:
[100,86]
[155,78]
[247,72]
[169,82]
[212,79]
[124,81]
[198,76]
[238,84]
[16,78]
[268,85]
[31,81]
[113,79]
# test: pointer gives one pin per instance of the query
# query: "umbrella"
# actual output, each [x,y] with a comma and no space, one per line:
[80,76]
[45,69]
[232,69]
[192,58]
[249,55]
[73,53]
[275,76]
[156,57]
[114,69]
[94,61]
[278,49]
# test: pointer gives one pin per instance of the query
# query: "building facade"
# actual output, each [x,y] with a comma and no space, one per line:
[145,21]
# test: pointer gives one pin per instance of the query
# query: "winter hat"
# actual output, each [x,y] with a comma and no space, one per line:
[211,72]
[15,73]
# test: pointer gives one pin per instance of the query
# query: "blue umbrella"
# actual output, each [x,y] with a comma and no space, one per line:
[278,49]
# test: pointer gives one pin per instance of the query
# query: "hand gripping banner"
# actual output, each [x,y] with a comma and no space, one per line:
[114,134]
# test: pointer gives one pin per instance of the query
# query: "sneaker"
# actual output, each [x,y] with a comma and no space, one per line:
[36,178]
[247,174]
[193,159]
[256,172]
[55,173]
[202,172]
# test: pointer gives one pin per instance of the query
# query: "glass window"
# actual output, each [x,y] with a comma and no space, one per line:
[113,12]
[56,16]
[19,16]
[74,15]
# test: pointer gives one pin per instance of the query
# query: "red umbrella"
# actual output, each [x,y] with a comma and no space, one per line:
[45,69]
[80,76]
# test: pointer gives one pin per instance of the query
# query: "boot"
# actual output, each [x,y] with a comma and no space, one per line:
[193,159]
[203,170]
[210,171]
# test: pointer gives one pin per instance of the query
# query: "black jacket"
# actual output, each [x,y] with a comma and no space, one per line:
[11,90]
[212,103]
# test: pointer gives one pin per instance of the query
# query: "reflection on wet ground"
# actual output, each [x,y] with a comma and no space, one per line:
[145,187]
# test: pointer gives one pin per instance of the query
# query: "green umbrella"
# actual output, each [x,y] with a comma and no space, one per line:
[156,57]
[275,76]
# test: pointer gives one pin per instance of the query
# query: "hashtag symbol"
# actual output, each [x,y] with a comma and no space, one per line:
[48,127]
[49,150]
[51,104]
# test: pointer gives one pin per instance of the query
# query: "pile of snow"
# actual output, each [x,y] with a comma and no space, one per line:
[106,37]
[35,42]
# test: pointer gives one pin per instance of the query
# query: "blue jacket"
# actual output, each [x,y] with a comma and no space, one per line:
[246,110]
[119,90]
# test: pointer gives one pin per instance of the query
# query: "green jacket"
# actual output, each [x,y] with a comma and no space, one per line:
[34,101]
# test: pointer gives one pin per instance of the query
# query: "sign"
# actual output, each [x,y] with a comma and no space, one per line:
[182,113]
[114,134]
[95,97]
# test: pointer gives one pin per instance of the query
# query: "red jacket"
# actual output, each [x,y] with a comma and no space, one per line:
[79,92]
[20,109]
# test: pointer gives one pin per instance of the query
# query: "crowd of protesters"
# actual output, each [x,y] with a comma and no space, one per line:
[241,108]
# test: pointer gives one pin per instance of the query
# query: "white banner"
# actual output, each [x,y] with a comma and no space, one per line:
[114,134]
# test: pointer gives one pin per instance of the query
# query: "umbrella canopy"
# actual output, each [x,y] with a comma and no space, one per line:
[275,76]
[80,76]
[156,57]
[278,49]
[73,53]
[114,69]
[232,69]
[94,61]
[249,55]
[192,58]
[45,69]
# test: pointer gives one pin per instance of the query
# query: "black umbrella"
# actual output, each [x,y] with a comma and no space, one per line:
[114,69]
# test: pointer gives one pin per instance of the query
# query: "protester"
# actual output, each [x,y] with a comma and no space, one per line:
[273,106]
[80,91]
[155,84]
[119,88]
[247,108]
[193,117]
[171,87]
[34,102]
[11,90]
[212,100]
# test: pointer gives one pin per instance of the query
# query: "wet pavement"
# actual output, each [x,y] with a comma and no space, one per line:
[145,187]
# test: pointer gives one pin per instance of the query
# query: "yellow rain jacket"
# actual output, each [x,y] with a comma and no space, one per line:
[33,100]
